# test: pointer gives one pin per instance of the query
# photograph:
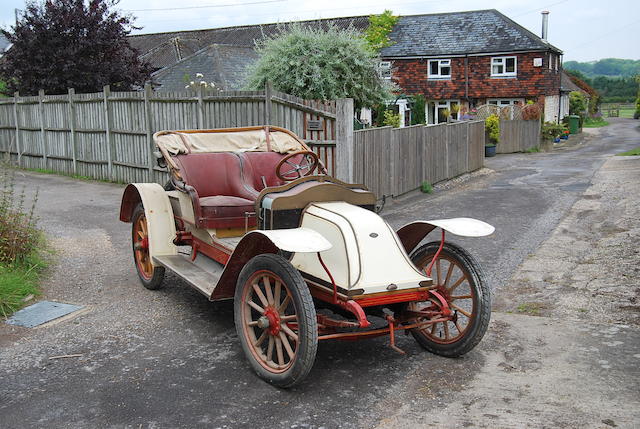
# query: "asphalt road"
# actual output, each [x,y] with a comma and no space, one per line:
[170,358]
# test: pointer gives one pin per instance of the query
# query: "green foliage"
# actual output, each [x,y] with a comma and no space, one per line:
[610,89]
[551,130]
[492,128]
[20,244]
[418,110]
[606,67]
[632,152]
[426,187]
[3,89]
[534,149]
[18,233]
[377,33]
[577,103]
[321,65]
[597,122]
[391,119]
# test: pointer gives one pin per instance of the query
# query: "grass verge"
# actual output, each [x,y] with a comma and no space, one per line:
[73,176]
[534,149]
[632,152]
[594,123]
[19,283]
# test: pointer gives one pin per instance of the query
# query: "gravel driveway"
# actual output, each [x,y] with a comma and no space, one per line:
[171,359]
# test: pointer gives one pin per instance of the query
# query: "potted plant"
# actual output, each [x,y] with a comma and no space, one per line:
[455,109]
[492,130]
[565,134]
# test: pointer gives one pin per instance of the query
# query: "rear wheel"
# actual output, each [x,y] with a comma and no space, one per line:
[459,279]
[276,320]
[150,276]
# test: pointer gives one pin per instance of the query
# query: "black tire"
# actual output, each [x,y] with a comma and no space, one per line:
[291,368]
[478,301]
[150,276]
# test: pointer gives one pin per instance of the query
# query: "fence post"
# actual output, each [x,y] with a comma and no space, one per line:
[200,108]
[106,92]
[16,95]
[268,94]
[72,129]
[148,119]
[43,135]
[345,155]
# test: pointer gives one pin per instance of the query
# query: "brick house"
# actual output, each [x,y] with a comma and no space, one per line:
[473,58]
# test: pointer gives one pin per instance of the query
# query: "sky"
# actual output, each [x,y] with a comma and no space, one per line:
[586,30]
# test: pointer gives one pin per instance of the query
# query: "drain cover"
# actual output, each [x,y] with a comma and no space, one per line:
[41,312]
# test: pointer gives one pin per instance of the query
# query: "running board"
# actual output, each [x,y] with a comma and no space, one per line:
[203,273]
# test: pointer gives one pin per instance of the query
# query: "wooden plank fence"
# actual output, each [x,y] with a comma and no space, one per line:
[394,161]
[108,135]
[518,135]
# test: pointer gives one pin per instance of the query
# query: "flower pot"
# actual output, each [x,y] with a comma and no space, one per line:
[556,140]
[564,137]
[489,151]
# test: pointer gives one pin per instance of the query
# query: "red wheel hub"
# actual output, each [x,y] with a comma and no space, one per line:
[274,320]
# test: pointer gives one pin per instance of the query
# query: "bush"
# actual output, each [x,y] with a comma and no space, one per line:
[426,187]
[492,128]
[391,119]
[531,111]
[418,110]
[551,130]
[18,233]
[320,65]
[577,103]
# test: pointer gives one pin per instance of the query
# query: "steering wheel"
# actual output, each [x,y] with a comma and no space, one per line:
[296,169]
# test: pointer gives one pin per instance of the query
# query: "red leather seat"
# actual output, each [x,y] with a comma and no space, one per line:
[259,168]
[219,194]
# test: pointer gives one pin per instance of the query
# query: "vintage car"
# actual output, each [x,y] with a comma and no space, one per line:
[250,214]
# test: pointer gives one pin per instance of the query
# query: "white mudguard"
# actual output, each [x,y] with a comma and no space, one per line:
[462,226]
[159,214]
[296,239]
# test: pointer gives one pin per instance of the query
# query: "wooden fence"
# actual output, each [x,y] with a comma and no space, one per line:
[108,136]
[518,135]
[393,161]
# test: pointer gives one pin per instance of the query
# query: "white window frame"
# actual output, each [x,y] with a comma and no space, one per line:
[505,101]
[502,61]
[441,64]
[384,67]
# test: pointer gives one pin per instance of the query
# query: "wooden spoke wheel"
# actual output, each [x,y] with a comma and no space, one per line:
[276,320]
[150,276]
[296,165]
[459,279]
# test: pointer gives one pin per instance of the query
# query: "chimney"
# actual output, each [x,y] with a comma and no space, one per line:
[545,25]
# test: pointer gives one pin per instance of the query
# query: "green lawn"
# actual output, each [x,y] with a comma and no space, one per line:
[626,109]
[594,123]
[632,152]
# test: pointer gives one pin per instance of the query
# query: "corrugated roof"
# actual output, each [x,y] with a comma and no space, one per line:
[159,49]
[459,33]
[225,65]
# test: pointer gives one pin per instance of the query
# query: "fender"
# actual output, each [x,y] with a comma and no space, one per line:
[158,212]
[412,234]
[296,240]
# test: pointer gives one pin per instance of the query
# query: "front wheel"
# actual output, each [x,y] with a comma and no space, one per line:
[150,276]
[460,280]
[275,320]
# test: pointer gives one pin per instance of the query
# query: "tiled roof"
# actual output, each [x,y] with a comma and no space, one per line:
[164,49]
[567,85]
[225,65]
[459,33]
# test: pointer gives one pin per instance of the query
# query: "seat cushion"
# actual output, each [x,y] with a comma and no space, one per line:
[223,211]
[259,165]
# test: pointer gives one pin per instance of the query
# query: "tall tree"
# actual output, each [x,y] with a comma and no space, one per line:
[60,44]
[320,64]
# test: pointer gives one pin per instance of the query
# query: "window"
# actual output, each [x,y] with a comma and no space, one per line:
[503,66]
[506,101]
[384,68]
[439,69]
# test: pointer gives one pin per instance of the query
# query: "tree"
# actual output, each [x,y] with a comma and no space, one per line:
[316,64]
[377,33]
[60,44]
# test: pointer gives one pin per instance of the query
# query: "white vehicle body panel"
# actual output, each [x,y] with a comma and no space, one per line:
[366,253]
[159,214]
[302,240]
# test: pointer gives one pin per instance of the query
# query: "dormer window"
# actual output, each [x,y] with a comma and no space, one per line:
[439,69]
[504,66]
[384,68]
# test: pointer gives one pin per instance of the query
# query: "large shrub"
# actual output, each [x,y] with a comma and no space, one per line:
[71,44]
[577,103]
[377,33]
[492,128]
[316,64]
